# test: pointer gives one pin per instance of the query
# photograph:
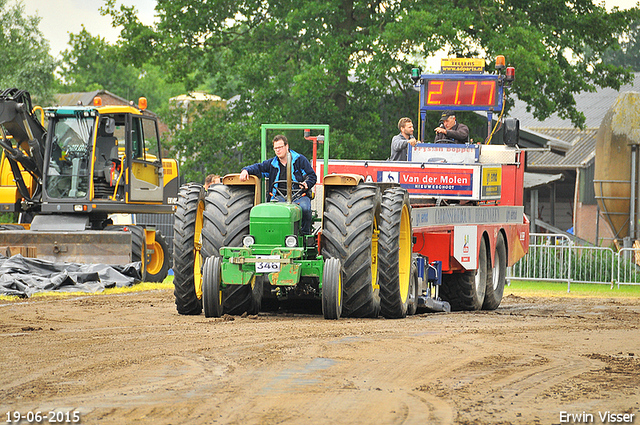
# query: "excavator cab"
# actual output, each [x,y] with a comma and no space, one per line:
[121,163]
[69,157]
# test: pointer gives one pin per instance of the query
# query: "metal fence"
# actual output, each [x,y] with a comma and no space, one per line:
[554,257]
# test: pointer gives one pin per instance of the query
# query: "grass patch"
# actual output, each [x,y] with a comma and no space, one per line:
[559,289]
[167,284]
[522,288]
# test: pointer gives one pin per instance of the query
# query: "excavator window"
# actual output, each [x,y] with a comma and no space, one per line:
[146,175]
[151,144]
[136,139]
[69,159]
[144,140]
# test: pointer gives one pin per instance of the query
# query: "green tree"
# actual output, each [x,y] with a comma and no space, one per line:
[346,62]
[25,60]
[627,54]
[92,63]
[213,143]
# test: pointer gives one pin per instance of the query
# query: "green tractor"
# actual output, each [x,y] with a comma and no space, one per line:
[231,250]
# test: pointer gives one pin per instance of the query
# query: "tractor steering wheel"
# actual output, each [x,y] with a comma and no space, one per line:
[296,193]
[446,141]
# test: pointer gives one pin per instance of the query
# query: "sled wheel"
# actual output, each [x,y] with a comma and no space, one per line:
[414,290]
[138,245]
[497,278]
[465,291]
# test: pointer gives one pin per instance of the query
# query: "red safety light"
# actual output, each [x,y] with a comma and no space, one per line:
[97,101]
[510,74]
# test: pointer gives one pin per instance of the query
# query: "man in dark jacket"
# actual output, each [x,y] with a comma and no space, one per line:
[450,129]
[276,169]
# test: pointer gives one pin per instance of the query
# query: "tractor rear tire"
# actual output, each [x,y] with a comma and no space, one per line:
[331,290]
[187,258]
[394,253]
[466,291]
[350,221]
[226,221]
[158,266]
[211,294]
[497,278]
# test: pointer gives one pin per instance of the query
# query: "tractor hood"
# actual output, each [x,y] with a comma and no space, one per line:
[271,222]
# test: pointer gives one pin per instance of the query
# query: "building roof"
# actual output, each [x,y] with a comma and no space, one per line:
[533,180]
[72,99]
[581,151]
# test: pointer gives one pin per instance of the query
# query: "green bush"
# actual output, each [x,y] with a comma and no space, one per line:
[8,218]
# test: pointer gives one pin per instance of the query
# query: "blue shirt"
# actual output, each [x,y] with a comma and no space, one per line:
[274,170]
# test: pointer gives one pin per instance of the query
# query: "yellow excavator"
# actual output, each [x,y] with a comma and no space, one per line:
[68,179]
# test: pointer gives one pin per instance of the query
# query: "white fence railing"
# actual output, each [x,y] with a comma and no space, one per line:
[554,257]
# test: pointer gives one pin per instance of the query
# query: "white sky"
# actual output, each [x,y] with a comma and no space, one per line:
[62,17]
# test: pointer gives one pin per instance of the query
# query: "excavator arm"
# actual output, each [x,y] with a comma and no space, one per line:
[27,142]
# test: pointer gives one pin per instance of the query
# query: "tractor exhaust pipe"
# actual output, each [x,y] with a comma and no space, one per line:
[289,183]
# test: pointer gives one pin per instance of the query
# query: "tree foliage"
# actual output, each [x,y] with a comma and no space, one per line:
[346,62]
[93,64]
[213,143]
[26,63]
[627,53]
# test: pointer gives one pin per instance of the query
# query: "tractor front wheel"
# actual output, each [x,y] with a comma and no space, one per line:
[257,290]
[331,289]
[211,293]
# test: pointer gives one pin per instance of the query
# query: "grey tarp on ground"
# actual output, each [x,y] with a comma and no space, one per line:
[25,276]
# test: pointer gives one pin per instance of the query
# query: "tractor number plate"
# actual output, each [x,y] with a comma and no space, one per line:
[265,266]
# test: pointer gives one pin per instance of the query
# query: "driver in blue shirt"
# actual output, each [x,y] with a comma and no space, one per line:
[276,169]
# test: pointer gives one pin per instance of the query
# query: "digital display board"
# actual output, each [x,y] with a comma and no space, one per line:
[462,92]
